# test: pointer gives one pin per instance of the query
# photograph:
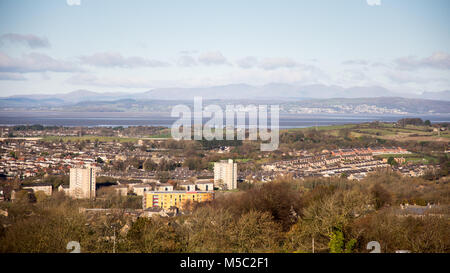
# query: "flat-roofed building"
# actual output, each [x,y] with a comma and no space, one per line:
[187,186]
[164,187]
[225,174]
[204,185]
[140,190]
[46,188]
[82,182]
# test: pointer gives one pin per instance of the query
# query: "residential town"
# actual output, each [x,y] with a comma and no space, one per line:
[351,163]
[24,158]
[131,164]
[134,174]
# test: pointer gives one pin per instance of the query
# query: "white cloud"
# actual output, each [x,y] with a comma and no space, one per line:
[247,62]
[188,52]
[109,81]
[275,63]
[402,77]
[356,76]
[438,60]
[35,62]
[187,78]
[11,77]
[186,61]
[261,77]
[73,2]
[355,62]
[29,40]
[112,59]
[212,58]
[374,2]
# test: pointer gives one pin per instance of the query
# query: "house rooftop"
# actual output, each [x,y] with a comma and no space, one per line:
[165,185]
[142,186]
[204,182]
[37,185]
[170,192]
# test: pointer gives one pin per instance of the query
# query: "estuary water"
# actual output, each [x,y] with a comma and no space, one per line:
[125,119]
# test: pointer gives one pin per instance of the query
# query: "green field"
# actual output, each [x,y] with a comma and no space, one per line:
[324,128]
[160,136]
[381,130]
[89,137]
[388,131]
[412,158]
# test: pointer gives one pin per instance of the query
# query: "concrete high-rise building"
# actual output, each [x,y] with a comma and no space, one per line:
[82,182]
[225,174]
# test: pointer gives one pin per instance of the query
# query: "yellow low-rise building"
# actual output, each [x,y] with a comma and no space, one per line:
[167,199]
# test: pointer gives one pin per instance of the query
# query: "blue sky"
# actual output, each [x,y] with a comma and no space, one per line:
[57,46]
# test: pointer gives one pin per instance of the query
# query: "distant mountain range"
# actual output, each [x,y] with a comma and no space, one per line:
[238,91]
[293,98]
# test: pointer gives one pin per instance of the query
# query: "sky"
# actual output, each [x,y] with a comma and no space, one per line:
[58,46]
